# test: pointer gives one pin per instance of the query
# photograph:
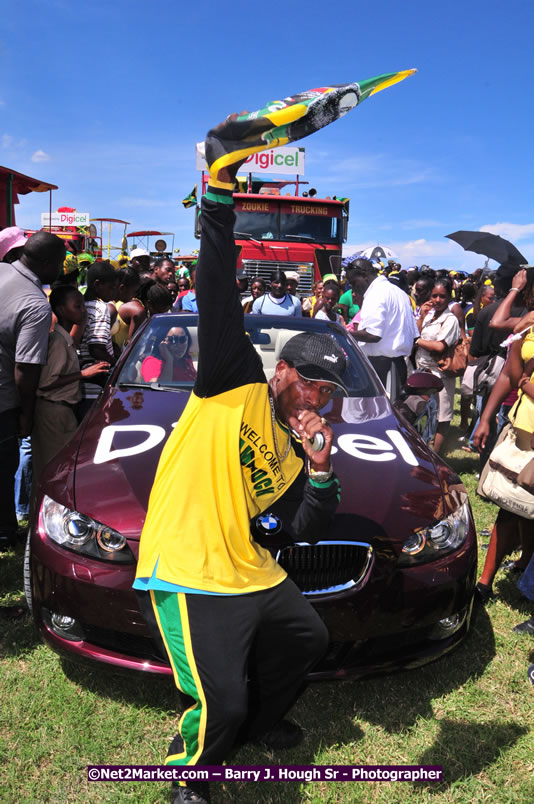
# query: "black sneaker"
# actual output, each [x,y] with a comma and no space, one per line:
[525,628]
[285,734]
[186,795]
[484,593]
[8,540]
[12,612]
[530,674]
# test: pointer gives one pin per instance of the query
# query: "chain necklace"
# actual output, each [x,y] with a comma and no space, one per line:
[281,458]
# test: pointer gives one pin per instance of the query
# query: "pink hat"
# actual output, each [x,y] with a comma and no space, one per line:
[11,238]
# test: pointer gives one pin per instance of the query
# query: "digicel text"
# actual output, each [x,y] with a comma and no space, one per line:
[266,158]
[71,219]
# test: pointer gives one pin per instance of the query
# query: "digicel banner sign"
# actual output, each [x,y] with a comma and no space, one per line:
[65,219]
[277,160]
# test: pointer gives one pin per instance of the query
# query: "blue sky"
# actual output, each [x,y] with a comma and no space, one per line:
[108,100]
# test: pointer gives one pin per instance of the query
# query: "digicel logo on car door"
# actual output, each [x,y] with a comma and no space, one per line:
[358,445]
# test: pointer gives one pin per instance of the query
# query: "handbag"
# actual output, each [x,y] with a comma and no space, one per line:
[467,388]
[453,361]
[487,373]
[508,477]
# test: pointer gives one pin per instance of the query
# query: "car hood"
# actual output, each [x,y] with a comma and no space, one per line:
[387,473]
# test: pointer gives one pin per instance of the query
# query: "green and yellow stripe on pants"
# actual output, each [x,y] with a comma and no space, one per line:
[170,610]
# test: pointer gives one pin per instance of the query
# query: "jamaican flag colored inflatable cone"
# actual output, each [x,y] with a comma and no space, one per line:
[288,120]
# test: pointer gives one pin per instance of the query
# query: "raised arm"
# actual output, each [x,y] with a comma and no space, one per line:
[502,318]
[227,358]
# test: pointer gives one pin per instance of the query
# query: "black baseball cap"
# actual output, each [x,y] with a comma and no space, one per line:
[316,357]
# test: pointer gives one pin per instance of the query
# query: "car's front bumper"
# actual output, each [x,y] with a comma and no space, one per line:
[396,620]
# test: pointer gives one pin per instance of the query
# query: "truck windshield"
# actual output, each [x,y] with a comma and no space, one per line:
[272,226]
[310,227]
[258,225]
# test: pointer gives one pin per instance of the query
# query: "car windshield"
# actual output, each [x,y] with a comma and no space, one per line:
[176,335]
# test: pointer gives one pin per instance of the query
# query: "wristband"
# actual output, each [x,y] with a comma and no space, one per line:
[320,477]
[516,290]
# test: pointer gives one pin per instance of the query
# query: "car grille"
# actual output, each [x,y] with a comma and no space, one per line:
[327,567]
[264,268]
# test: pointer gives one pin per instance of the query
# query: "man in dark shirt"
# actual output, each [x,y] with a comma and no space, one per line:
[487,340]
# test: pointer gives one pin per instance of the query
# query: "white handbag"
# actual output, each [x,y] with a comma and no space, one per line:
[505,471]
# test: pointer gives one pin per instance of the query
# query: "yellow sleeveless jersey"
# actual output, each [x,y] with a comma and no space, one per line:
[218,469]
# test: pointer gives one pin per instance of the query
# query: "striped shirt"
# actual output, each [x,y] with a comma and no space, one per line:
[97,331]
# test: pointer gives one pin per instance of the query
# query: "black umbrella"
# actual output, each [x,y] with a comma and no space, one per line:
[490,245]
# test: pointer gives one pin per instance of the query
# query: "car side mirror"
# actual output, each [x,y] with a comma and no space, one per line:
[422,382]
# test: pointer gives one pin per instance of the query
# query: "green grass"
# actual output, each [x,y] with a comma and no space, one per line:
[470,712]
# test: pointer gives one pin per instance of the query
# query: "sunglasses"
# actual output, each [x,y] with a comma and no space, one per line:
[176,339]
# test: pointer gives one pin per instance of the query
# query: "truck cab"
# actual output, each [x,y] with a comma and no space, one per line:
[299,233]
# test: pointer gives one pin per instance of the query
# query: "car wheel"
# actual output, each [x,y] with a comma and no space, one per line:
[27,575]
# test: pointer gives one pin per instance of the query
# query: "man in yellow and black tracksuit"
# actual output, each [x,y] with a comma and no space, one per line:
[239,635]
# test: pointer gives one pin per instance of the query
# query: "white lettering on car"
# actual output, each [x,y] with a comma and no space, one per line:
[371,448]
[377,448]
[154,434]
[403,447]
[363,447]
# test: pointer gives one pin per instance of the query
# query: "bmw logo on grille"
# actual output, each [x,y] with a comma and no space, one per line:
[269,523]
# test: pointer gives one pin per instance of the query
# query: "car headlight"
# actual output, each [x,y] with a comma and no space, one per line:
[428,544]
[82,534]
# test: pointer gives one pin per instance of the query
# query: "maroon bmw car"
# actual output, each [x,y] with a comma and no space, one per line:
[392,578]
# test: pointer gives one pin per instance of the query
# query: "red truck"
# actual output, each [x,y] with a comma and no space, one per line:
[300,233]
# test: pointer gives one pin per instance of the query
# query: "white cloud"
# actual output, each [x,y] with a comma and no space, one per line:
[510,231]
[410,248]
[40,156]
[436,253]
[7,140]
[374,171]
[425,248]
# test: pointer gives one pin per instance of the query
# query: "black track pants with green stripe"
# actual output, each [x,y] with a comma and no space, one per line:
[240,660]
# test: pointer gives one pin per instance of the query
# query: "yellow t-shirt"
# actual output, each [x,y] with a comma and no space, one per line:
[120,330]
[203,540]
[224,463]
[522,414]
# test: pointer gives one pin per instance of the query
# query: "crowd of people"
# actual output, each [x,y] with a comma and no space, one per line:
[403,320]
[66,321]
[406,320]
[65,325]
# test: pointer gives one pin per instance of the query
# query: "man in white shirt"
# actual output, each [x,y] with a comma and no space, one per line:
[387,327]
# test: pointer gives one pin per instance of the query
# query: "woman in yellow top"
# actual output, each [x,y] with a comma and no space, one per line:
[128,286]
[308,304]
[510,528]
